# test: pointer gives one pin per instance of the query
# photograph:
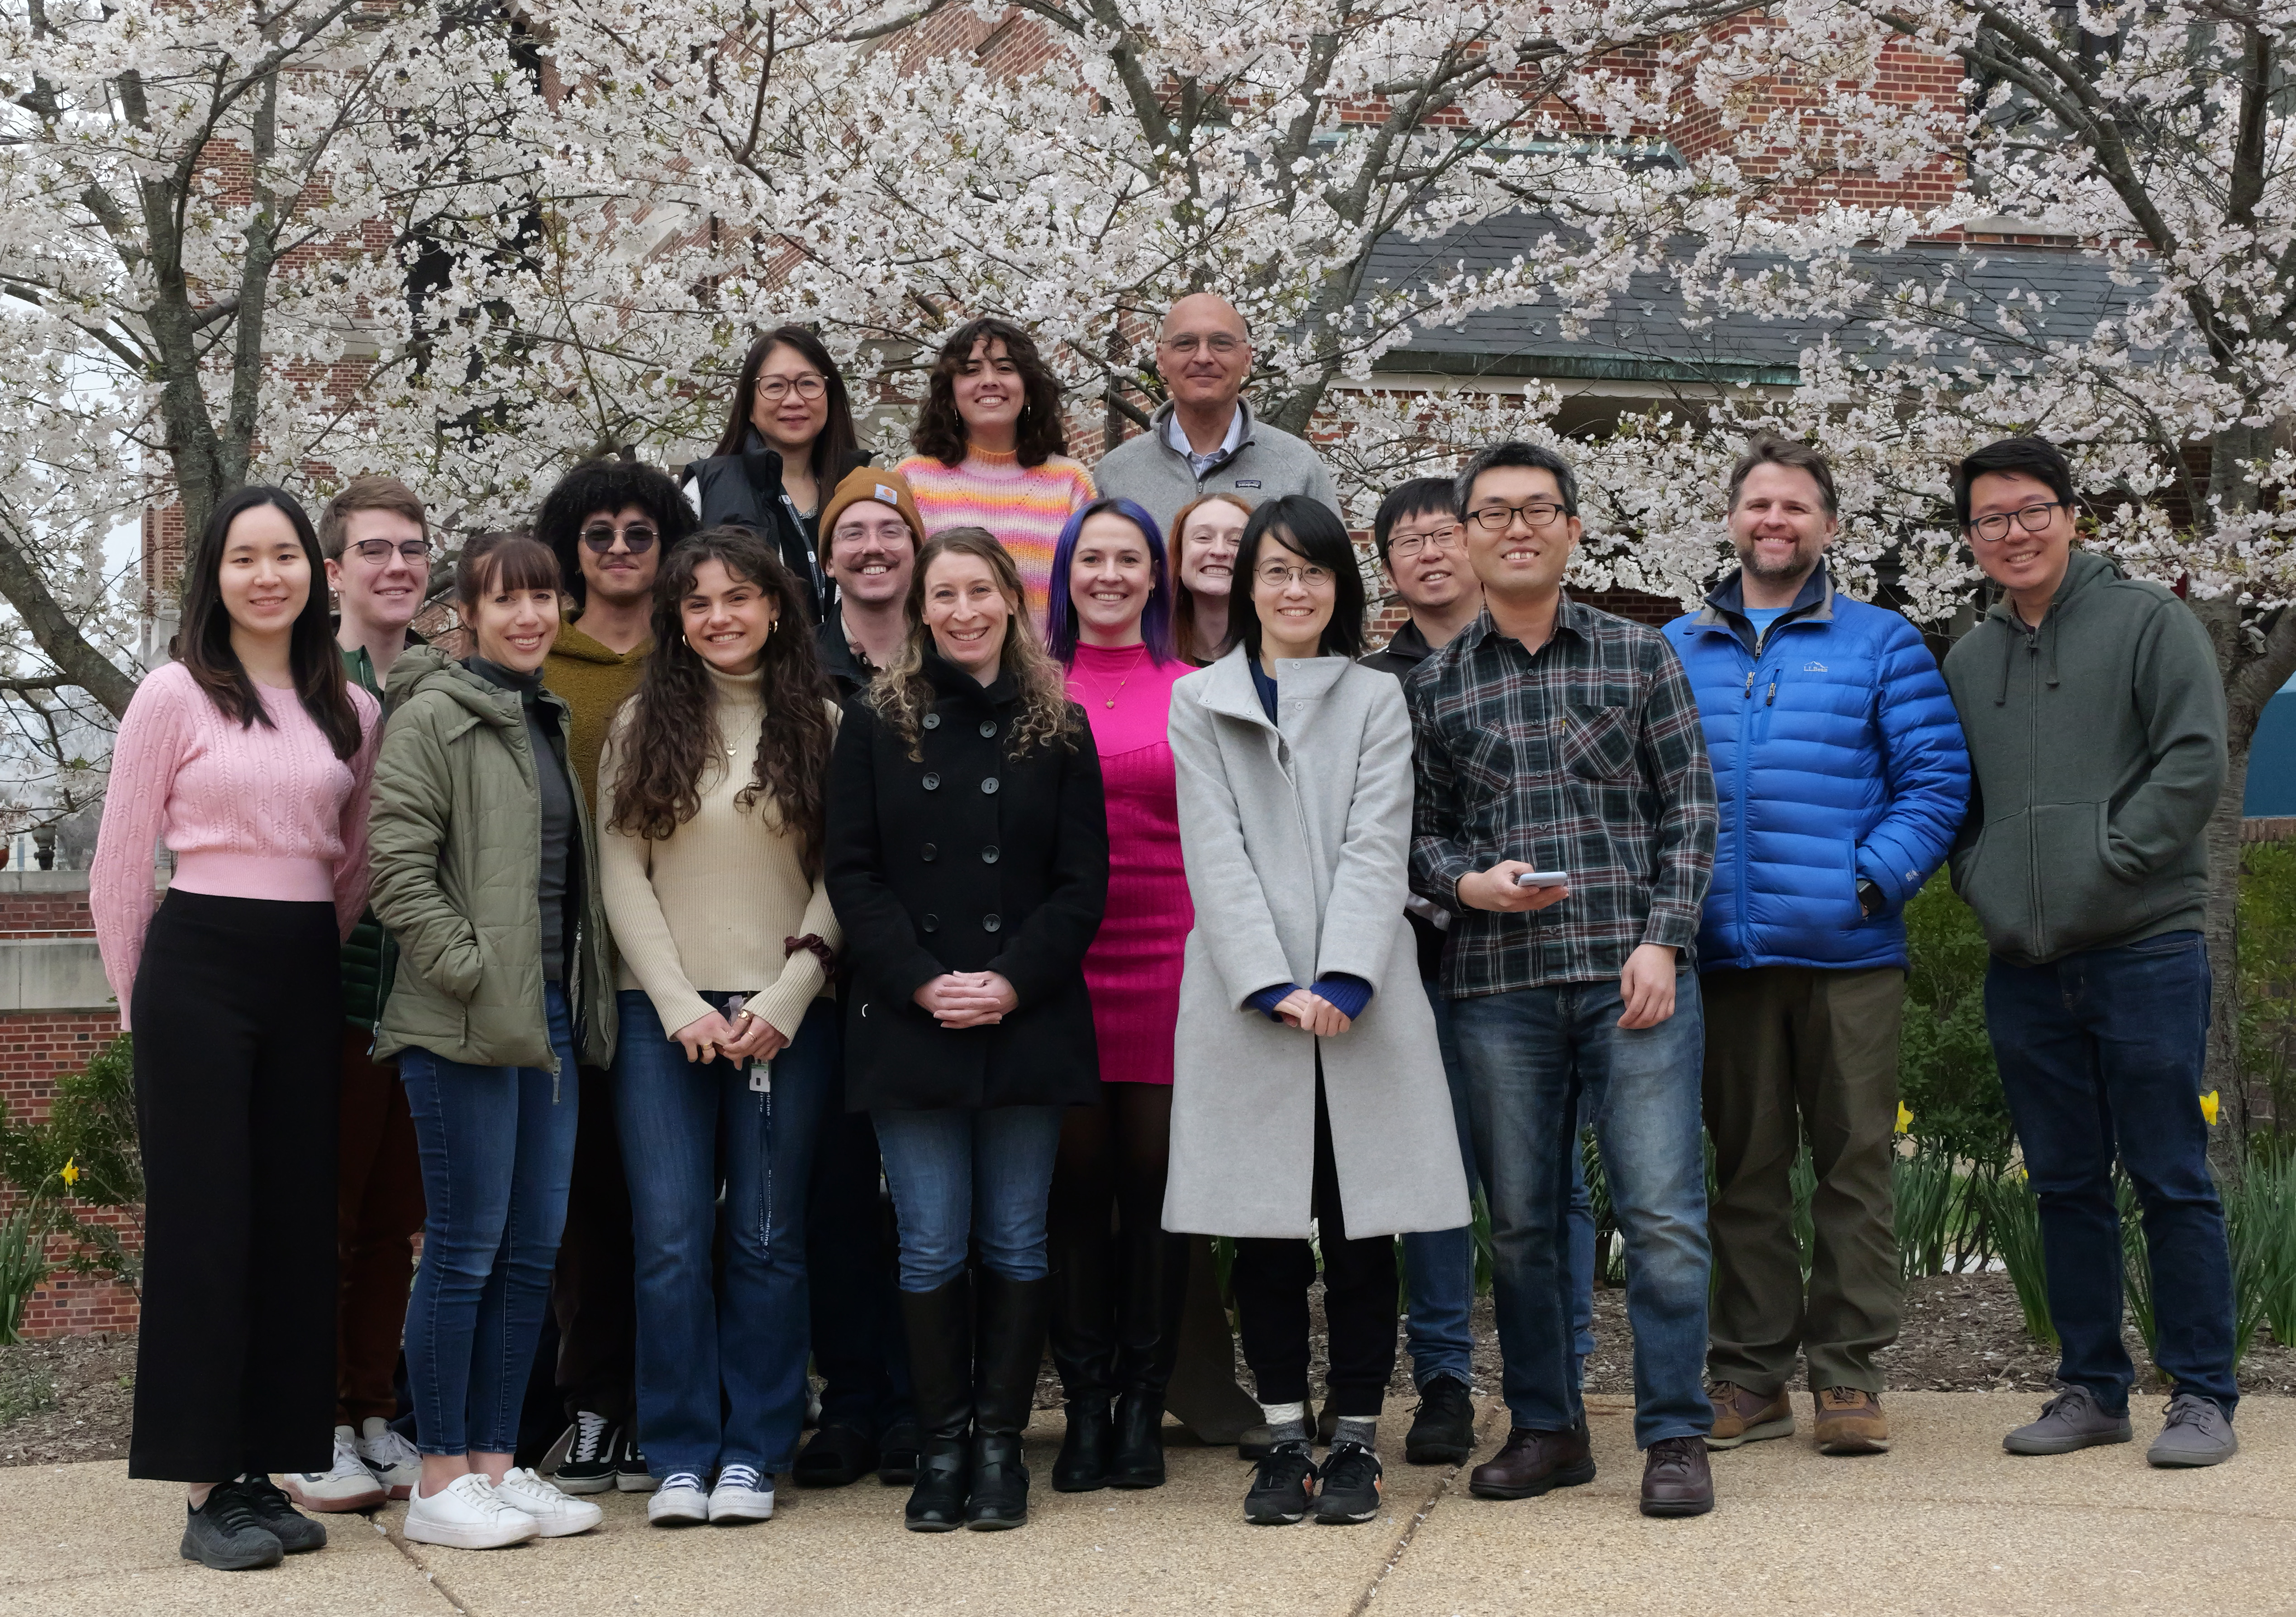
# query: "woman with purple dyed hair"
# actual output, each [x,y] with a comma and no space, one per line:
[1116,1298]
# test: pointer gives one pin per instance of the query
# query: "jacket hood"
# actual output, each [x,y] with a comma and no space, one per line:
[573,643]
[426,667]
[2084,570]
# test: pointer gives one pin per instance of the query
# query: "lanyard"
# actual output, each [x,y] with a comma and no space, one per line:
[812,561]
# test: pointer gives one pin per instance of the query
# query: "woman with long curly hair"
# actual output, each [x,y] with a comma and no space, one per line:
[712,862]
[992,449]
[968,860]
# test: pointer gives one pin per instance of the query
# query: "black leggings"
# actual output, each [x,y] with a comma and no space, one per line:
[1272,1277]
[238,1017]
[1118,1150]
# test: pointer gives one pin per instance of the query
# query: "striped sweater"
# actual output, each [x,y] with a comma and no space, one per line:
[1024,506]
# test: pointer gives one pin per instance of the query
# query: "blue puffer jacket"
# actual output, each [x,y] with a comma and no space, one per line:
[1836,755]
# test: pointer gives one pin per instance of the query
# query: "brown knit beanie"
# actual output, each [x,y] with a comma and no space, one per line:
[886,488]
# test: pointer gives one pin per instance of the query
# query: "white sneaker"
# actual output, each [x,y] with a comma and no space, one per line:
[742,1495]
[390,1457]
[345,1485]
[558,1515]
[678,1502]
[465,1515]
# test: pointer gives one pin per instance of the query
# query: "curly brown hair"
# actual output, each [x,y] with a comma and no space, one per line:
[1042,431]
[901,695]
[674,711]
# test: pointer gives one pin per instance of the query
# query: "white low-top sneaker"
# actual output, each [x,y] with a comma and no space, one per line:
[558,1513]
[465,1515]
[678,1502]
[345,1485]
[742,1495]
[390,1455]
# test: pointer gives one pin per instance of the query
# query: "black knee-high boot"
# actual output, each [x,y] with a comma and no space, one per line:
[1004,1385]
[1148,1331]
[1082,1328]
[939,1326]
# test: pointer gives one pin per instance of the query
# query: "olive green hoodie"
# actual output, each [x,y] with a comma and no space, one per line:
[2096,750]
[456,841]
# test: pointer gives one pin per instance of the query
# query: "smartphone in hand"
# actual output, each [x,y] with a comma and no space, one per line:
[1542,878]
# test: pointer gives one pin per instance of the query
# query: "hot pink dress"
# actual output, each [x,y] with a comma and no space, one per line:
[1133,968]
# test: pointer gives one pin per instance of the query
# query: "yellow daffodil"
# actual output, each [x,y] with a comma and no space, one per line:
[69,1173]
[2210,1106]
[1904,1118]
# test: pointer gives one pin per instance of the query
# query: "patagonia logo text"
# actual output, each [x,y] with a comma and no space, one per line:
[1247,482]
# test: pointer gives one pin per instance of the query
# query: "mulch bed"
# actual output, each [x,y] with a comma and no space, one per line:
[69,1399]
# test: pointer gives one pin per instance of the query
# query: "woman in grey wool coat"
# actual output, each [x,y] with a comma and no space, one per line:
[1306,1081]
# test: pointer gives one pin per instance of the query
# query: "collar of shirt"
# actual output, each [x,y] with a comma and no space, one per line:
[1176,435]
[1568,615]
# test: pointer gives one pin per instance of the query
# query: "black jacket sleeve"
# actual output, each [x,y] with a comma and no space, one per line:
[1047,949]
[880,938]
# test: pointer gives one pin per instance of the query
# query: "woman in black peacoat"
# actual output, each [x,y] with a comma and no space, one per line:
[967,857]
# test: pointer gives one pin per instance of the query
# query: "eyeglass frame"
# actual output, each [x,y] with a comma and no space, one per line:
[766,386]
[1975,529]
[1506,522]
[1311,575]
[626,537]
[1222,343]
[1410,544]
[416,553]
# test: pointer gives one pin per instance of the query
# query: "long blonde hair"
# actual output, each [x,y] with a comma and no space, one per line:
[901,694]
[1188,640]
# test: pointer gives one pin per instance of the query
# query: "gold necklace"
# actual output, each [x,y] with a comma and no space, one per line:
[1121,684]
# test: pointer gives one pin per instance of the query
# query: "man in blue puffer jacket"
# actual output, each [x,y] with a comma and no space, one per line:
[1841,779]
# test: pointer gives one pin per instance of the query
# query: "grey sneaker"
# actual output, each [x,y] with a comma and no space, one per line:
[2197,1432]
[2071,1420]
[224,1533]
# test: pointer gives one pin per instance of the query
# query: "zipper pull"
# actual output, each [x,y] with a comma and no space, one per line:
[1749,684]
[1772,700]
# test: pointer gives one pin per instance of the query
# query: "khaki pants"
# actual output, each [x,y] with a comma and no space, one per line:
[1792,1051]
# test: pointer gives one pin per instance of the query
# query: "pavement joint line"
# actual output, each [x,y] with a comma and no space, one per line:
[1435,1497]
[405,1547]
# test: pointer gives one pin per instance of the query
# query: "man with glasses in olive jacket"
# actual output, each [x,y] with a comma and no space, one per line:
[2096,720]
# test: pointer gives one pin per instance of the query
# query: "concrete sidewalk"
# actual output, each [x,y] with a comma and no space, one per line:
[1946,1523]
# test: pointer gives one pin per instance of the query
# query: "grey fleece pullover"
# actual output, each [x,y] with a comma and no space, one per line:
[2096,750]
[1267,461]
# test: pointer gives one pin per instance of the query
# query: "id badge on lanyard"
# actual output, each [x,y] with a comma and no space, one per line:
[762,1072]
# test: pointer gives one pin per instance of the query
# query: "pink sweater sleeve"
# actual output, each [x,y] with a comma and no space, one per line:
[144,758]
[353,874]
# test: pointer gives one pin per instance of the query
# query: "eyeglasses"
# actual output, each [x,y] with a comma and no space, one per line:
[1274,575]
[1499,519]
[2033,518]
[775,389]
[1222,343]
[600,538]
[1409,544]
[417,551]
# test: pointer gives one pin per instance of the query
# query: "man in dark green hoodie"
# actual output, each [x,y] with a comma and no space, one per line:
[2095,721]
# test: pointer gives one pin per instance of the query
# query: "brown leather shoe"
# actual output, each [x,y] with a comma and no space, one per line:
[1743,1416]
[1531,1462]
[1676,1481]
[1850,1421]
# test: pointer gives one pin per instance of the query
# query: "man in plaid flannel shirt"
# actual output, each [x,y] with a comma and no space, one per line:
[1551,738]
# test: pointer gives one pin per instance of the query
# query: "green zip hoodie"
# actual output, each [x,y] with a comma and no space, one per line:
[2096,750]
[456,835]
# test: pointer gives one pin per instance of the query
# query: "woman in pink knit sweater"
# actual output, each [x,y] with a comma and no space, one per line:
[250,756]
[1116,1308]
[992,450]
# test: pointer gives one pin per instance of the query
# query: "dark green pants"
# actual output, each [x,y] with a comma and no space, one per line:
[1792,1053]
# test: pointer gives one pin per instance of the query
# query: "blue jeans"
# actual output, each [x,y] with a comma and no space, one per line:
[1527,1056]
[720,1361]
[498,1150]
[2101,1054]
[959,1175]
[1439,1266]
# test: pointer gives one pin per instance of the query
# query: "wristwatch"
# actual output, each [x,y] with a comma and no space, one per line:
[1871,899]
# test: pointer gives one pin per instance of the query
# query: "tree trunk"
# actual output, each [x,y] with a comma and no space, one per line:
[2222,933]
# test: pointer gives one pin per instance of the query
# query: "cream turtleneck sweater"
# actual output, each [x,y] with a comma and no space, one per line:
[709,908]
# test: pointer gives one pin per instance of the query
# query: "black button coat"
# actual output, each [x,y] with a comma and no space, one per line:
[966,859]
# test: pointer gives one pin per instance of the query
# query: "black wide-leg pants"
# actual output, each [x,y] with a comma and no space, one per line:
[238,1014]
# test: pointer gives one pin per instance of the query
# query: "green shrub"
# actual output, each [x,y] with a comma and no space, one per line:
[1932,1203]
[2267,974]
[90,1130]
[2013,1215]
[1946,1074]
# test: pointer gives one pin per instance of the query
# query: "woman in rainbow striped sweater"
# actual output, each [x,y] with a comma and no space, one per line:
[992,449]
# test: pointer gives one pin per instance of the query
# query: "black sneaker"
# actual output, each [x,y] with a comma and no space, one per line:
[1283,1488]
[630,1473]
[297,1533]
[588,1466]
[896,1454]
[224,1536]
[1350,1483]
[1443,1427]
